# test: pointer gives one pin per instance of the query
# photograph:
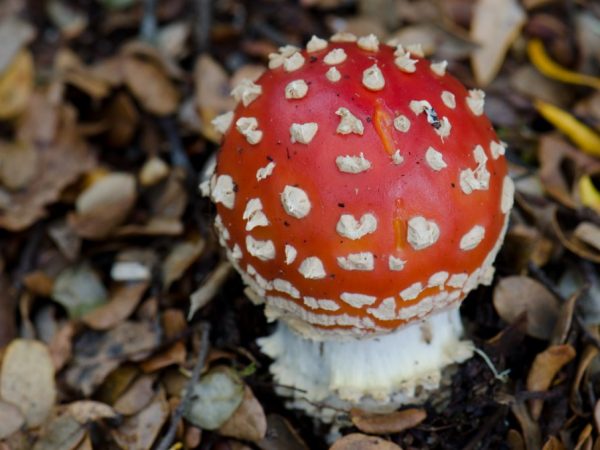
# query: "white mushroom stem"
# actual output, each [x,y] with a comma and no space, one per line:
[377,374]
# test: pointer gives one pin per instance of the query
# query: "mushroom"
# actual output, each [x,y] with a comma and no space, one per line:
[361,194]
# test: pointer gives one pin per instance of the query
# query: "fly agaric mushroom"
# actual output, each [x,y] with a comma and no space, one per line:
[361,194]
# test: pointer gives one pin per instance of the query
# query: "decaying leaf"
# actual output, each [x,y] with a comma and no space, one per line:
[18,164]
[104,205]
[16,85]
[216,397]
[62,157]
[555,155]
[139,432]
[545,367]
[589,233]
[174,354]
[151,86]
[248,422]
[122,303]
[516,295]
[27,380]
[209,288]
[14,35]
[79,289]
[137,396]
[357,441]
[97,354]
[61,433]
[11,419]
[394,422]
[494,26]
[86,411]
[564,232]
[181,257]
[553,443]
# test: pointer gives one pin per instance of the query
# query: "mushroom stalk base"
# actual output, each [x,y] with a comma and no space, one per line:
[376,374]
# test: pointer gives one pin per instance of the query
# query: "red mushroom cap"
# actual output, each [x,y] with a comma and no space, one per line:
[359,187]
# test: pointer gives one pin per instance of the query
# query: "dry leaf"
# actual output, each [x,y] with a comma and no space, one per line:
[151,86]
[357,441]
[209,288]
[11,419]
[543,370]
[394,422]
[137,396]
[18,164]
[248,422]
[584,440]
[566,237]
[62,157]
[79,289]
[212,93]
[174,354]
[85,411]
[121,305]
[104,205]
[61,345]
[589,233]
[60,433]
[530,428]
[215,398]
[153,171]
[181,257]
[494,26]
[555,154]
[27,379]
[140,431]
[98,354]
[516,295]
[553,443]
[16,85]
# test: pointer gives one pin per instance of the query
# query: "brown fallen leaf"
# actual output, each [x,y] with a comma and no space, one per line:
[11,419]
[212,93]
[248,422]
[62,157]
[180,258]
[494,26]
[174,354]
[18,164]
[555,154]
[393,422]
[531,430]
[27,380]
[589,233]
[543,370]
[61,345]
[584,440]
[562,227]
[60,433]
[553,443]
[98,354]
[150,85]
[104,205]
[516,295]
[209,288]
[358,441]
[139,432]
[123,301]
[137,396]
[16,85]
[86,411]
[38,283]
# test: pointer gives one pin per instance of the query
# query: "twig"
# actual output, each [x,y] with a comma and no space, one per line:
[202,24]
[149,27]
[501,376]
[169,436]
